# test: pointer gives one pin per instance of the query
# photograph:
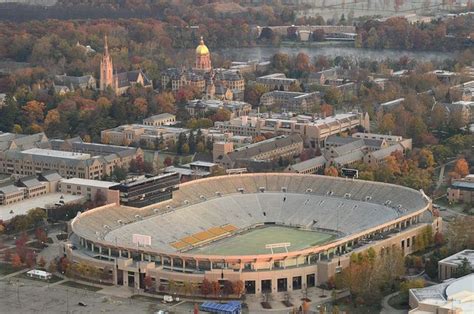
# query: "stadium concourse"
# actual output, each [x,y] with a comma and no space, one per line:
[275,232]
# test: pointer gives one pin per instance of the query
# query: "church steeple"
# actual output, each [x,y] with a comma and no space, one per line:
[106,68]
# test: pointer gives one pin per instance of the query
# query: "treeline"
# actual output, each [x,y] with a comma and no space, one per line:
[15,12]
[398,33]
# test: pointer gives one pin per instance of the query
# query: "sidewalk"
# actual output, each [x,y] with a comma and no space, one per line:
[387,309]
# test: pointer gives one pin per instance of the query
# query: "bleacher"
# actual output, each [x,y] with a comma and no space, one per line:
[197,214]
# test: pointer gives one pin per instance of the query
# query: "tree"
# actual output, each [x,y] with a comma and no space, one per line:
[168,161]
[460,234]
[188,288]
[302,64]
[16,261]
[34,111]
[331,171]
[165,102]
[141,106]
[216,288]
[100,198]
[30,259]
[148,281]
[53,267]
[41,262]
[387,123]
[463,269]
[333,96]
[41,235]
[281,62]
[206,287]
[410,284]
[52,120]
[228,288]
[461,167]
[238,287]
[326,110]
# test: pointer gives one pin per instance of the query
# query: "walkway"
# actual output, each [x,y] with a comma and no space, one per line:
[387,309]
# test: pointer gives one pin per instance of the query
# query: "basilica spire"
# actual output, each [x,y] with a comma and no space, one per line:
[106,68]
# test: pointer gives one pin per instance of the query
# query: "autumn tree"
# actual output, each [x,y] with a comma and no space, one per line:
[238,287]
[460,234]
[148,281]
[34,111]
[461,167]
[216,288]
[165,102]
[333,96]
[206,287]
[326,110]
[302,65]
[41,235]
[41,262]
[16,261]
[140,106]
[331,171]
[410,284]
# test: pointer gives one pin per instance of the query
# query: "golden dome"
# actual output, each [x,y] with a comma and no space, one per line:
[202,48]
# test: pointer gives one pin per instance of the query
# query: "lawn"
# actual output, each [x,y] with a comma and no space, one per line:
[6,269]
[254,241]
[77,285]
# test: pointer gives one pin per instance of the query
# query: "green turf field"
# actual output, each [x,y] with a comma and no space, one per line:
[253,242]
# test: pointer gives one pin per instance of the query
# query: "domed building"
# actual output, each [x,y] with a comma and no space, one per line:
[203,57]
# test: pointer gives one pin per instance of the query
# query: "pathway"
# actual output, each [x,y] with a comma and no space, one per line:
[387,309]
[55,284]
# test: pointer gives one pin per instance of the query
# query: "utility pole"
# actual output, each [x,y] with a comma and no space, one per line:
[67,300]
[18,291]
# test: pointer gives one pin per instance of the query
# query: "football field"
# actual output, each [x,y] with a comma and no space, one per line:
[253,242]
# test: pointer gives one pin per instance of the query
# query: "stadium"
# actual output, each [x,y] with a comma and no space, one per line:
[275,232]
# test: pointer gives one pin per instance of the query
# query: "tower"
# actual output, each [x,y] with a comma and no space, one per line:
[106,68]
[203,57]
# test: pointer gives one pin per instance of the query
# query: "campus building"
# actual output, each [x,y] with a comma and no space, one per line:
[290,101]
[462,190]
[452,296]
[277,81]
[314,130]
[283,146]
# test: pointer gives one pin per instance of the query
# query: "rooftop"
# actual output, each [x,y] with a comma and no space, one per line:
[87,182]
[463,185]
[7,212]
[457,258]
[56,153]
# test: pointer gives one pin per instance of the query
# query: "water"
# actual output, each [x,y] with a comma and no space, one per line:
[355,54]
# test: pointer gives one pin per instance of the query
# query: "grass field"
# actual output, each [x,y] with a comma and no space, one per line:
[254,241]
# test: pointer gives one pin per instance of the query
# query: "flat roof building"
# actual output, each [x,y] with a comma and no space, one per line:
[145,190]
[447,267]
[314,130]
[462,190]
[92,190]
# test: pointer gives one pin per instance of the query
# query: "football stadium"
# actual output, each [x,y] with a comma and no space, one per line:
[275,232]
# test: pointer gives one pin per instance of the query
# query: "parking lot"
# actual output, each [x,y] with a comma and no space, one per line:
[20,295]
